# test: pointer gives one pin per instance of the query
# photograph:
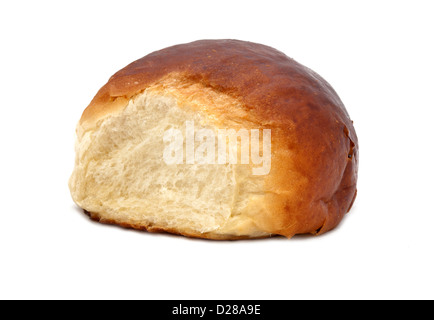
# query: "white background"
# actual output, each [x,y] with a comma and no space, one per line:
[55,55]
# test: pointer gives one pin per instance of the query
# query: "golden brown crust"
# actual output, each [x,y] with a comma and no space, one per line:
[312,182]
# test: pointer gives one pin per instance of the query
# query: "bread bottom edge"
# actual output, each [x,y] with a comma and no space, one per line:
[149,228]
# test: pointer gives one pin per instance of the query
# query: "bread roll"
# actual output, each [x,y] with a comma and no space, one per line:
[122,177]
